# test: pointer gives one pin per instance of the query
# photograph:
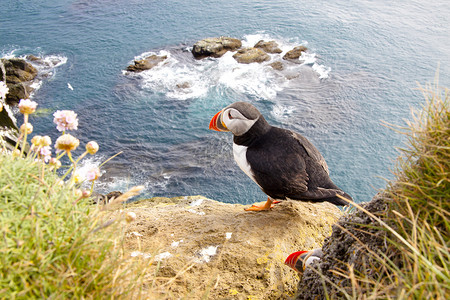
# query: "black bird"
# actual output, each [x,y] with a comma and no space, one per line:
[283,163]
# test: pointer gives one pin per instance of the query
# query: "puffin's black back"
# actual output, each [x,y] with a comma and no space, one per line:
[286,165]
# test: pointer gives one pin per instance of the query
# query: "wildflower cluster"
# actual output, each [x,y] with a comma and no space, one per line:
[41,146]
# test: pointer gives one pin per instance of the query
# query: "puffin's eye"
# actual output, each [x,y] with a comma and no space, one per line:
[229,115]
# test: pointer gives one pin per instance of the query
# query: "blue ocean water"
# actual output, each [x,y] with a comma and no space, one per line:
[365,59]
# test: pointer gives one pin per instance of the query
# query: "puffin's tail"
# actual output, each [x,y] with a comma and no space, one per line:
[339,201]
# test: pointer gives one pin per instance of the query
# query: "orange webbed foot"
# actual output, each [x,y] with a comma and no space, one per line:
[267,206]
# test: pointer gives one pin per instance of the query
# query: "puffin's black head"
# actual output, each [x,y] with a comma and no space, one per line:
[238,118]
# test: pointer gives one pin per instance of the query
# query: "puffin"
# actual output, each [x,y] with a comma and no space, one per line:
[300,260]
[283,163]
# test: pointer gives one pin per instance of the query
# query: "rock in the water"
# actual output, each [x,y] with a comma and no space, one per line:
[31,57]
[16,92]
[215,47]
[204,247]
[277,65]
[146,63]
[103,199]
[251,55]
[268,47]
[295,53]
[17,73]
[18,70]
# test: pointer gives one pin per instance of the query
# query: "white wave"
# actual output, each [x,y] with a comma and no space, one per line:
[9,54]
[87,164]
[176,79]
[254,79]
[182,77]
[47,65]
[322,70]
[121,184]
[282,112]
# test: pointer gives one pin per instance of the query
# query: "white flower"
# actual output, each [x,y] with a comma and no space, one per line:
[66,142]
[46,141]
[27,106]
[130,217]
[26,128]
[55,163]
[65,120]
[36,140]
[92,147]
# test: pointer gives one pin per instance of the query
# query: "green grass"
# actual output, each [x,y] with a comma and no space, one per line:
[421,194]
[50,245]
[417,263]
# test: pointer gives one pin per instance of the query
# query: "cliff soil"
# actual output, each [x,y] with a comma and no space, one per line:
[197,248]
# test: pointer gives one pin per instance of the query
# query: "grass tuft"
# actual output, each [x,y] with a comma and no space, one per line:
[49,245]
[417,263]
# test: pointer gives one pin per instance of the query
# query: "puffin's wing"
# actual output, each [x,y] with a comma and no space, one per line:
[311,150]
[277,166]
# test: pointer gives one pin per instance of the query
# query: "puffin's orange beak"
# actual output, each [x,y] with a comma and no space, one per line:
[216,123]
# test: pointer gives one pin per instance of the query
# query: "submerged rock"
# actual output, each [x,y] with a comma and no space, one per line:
[251,55]
[215,47]
[146,63]
[295,53]
[277,65]
[222,251]
[268,47]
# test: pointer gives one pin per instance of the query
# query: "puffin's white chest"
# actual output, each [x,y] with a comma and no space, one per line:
[240,156]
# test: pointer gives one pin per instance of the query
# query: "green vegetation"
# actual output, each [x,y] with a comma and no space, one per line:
[51,245]
[417,263]
[421,209]
[55,244]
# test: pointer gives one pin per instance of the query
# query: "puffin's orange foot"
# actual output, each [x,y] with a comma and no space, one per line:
[268,205]
[258,208]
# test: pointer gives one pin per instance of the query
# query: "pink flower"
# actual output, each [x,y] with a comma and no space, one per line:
[93,174]
[45,153]
[65,120]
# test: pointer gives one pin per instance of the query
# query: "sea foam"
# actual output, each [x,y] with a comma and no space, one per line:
[182,77]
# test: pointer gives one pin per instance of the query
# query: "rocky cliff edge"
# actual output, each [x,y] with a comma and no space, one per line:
[200,248]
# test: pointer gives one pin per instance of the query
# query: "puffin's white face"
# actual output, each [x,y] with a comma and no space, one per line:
[238,118]
[235,122]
